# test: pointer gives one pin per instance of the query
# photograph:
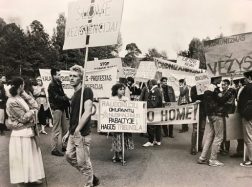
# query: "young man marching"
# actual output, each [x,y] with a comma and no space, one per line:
[79,138]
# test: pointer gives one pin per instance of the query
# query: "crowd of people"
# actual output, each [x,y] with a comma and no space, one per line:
[24,105]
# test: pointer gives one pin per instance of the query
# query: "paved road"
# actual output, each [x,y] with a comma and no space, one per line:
[167,165]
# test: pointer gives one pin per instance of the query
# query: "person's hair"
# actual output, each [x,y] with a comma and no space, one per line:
[28,86]
[248,74]
[242,81]
[153,82]
[213,79]
[16,82]
[226,81]
[181,80]
[116,87]
[163,78]
[78,69]
[54,71]
[131,79]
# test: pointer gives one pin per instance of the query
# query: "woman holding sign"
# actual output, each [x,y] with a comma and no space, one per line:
[118,92]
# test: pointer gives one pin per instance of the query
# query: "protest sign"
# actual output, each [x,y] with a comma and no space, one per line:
[105,64]
[188,62]
[100,19]
[122,116]
[202,83]
[129,72]
[146,71]
[64,75]
[174,115]
[101,81]
[229,55]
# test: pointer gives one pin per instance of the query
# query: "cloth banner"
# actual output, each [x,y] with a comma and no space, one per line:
[100,19]
[101,81]
[64,75]
[174,115]
[229,55]
[106,64]
[122,116]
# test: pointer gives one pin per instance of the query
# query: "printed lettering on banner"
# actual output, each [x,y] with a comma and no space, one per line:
[100,19]
[229,55]
[122,116]
[188,62]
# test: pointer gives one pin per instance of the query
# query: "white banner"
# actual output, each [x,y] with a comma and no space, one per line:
[100,19]
[146,71]
[122,116]
[46,79]
[101,82]
[176,115]
[105,64]
[229,55]
[202,82]
[188,62]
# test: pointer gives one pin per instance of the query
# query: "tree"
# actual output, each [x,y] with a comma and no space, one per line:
[153,52]
[196,51]
[130,58]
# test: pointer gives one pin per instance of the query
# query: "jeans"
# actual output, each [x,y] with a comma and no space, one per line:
[247,133]
[214,137]
[154,131]
[59,127]
[78,155]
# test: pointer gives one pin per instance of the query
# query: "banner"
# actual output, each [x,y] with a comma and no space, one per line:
[122,116]
[101,82]
[202,82]
[100,19]
[174,115]
[105,64]
[64,75]
[229,55]
[188,62]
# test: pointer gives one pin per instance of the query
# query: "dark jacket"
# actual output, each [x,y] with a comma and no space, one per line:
[144,94]
[134,92]
[184,95]
[215,105]
[245,102]
[168,92]
[195,97]
[57,98]
[3,97]
[155,98]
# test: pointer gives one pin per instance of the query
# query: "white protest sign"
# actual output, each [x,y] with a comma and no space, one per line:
[122,116]
[229,55]
[129,72]
[188,62]
[100,19]
[101,81]
[64,75]
[146,71]
[174,115]
[105,64]
[202,83]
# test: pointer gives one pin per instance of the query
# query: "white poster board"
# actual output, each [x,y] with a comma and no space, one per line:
[202,83]
[146,71]
[100,19]
[122,116]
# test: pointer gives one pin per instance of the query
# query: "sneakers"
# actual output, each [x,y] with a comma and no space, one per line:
[215,163]
[157,143]
[96,181]
[202,161]
[50,125]
[246,164]
[57,153]
[42,132]
[148,144]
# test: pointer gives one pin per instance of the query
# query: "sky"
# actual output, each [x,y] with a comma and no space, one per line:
[167,25]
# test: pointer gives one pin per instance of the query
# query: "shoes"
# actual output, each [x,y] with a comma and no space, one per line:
[215,163]
[38,181]
[42,132]
[96,181]
[166,135]
[202,161]
[193,151]
[63,149]
[246,164]
[182,131]
[157,143]
[51,125]
[57,153]
[236,155]
[148,144]
[171,136]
